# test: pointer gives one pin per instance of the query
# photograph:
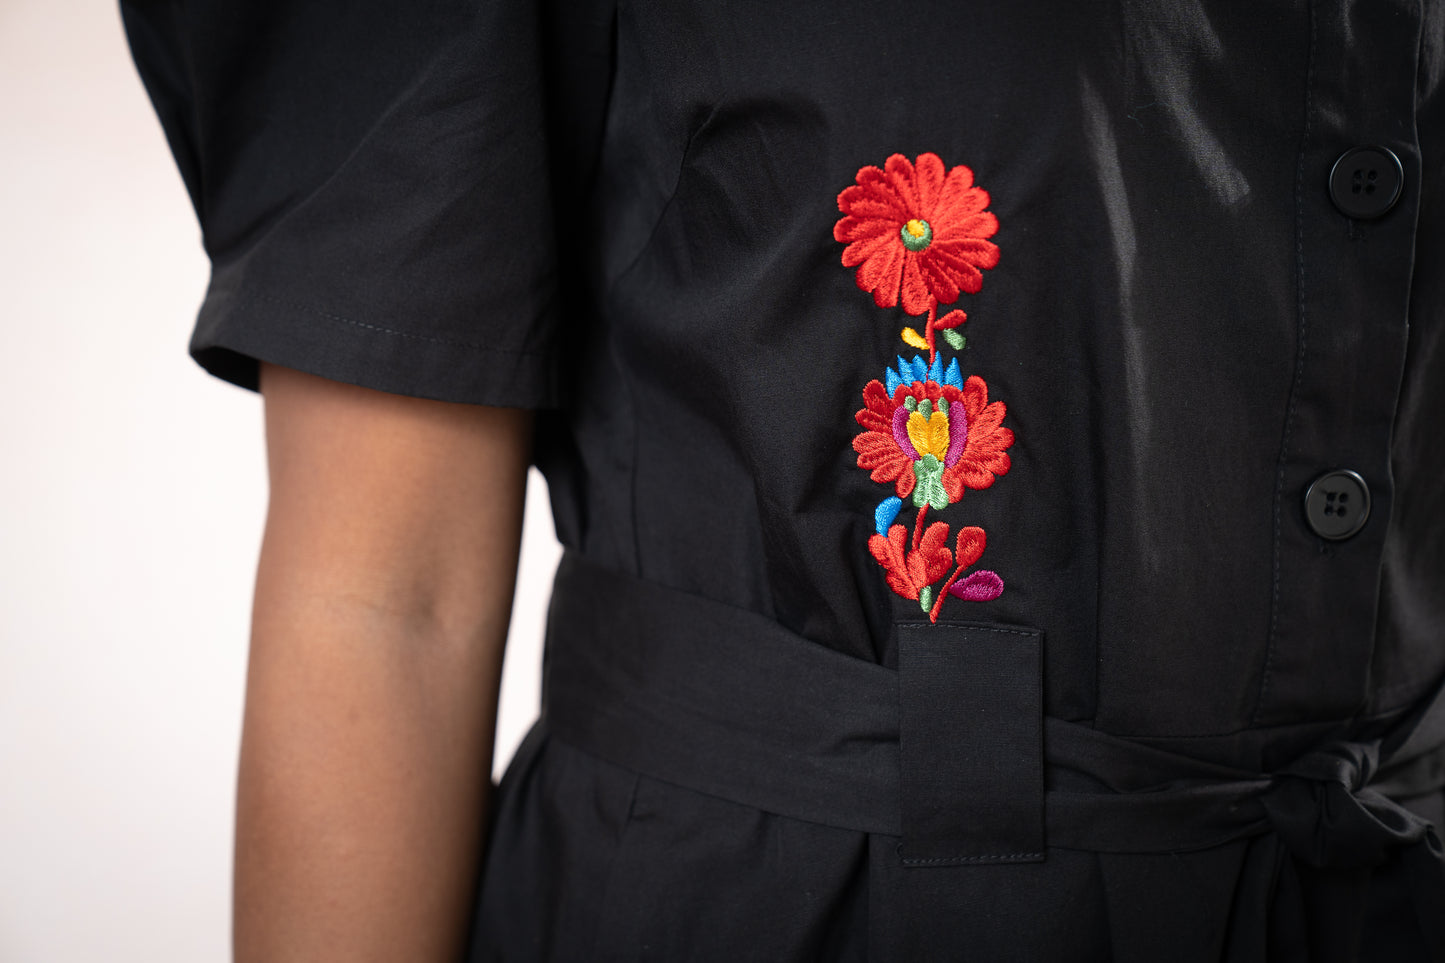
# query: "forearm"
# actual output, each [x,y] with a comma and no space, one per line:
[363,779]
[382,601]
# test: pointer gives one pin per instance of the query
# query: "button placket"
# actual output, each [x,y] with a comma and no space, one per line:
[1358,202]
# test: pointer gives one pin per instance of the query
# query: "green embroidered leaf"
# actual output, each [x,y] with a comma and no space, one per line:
[954,339]
[925,597]
[929,489]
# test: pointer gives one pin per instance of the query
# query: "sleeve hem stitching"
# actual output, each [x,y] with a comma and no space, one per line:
[400,334]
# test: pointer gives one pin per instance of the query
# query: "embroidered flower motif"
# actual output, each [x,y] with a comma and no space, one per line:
[912,570]
[932,435]
[916,230]
[919,234]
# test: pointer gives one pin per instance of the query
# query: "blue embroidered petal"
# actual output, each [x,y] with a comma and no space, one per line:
[920,369]
[935,370]
[894,380]
[952,376]
[905,370]
[885,513]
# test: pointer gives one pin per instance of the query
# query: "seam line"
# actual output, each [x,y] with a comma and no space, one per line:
[1302,330]
[450,342]
[971,859]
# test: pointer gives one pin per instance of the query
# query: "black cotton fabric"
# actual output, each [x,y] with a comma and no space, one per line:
[622,214]
[371,182]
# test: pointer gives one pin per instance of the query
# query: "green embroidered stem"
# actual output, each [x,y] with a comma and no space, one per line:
[928,489]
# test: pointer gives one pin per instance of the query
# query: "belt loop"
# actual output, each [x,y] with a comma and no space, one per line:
[971,744]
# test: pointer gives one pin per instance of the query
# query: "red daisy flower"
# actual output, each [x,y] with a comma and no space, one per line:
[913,228]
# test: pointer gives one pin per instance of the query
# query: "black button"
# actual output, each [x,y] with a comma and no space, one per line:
[1337,504]
[1365,182]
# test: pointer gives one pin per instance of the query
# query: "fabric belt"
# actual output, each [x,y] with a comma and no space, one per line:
[951,752]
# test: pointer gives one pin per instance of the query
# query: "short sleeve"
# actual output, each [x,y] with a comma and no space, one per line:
[372,187]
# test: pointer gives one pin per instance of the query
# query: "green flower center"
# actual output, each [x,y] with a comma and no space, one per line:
[916,235]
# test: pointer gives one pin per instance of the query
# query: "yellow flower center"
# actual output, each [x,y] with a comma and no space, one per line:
[929,433]
[917,234]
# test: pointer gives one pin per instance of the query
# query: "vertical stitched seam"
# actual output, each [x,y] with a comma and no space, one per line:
[1123,17]
[607,886]
[608,289]
[635,421]
[1301,336]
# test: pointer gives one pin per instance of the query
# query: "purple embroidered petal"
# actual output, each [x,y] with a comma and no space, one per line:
[900,432]
[981,586]
[957,433]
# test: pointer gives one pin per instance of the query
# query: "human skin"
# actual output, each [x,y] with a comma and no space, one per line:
[382,599]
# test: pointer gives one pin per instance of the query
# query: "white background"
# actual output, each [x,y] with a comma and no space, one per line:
[132,491]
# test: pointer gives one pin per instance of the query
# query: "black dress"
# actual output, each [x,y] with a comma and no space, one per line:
[997,446]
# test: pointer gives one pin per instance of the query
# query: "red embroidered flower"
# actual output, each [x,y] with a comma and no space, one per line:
[918,235]
[914,229]
[911,571]
[933,440]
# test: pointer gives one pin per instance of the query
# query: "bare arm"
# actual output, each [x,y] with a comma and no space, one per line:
[382,599]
